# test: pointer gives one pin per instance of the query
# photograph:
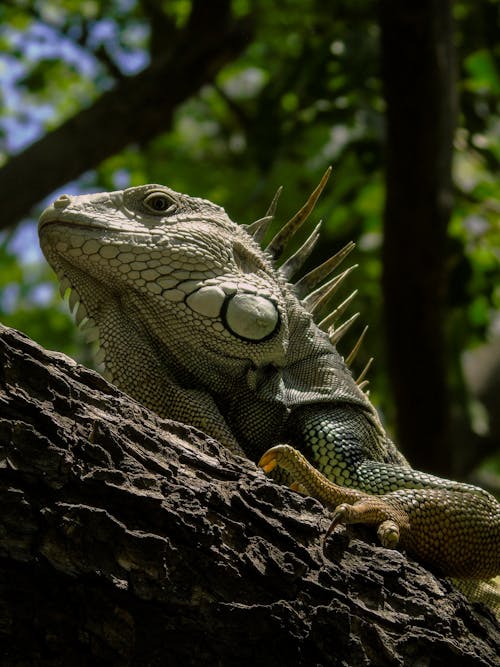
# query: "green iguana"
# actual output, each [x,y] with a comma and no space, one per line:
[197,322]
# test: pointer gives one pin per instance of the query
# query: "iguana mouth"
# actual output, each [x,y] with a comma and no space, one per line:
[70,224]
[43,224]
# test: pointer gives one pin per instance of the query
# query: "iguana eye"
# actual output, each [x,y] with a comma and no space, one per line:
[159,202]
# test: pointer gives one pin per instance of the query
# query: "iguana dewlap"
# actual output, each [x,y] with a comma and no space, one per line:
[195,321]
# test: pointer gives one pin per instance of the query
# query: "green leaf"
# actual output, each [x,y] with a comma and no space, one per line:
[483,73]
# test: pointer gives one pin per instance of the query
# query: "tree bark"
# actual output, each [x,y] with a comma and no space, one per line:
[130,540]
[419,84]
[135,110]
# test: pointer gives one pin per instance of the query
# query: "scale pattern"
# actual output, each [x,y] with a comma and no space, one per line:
[429,522]
[197,322]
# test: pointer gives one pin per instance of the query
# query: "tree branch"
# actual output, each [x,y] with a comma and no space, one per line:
[130,540]
[136,110]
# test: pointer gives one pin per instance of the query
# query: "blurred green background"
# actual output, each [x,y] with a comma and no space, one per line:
[305,92]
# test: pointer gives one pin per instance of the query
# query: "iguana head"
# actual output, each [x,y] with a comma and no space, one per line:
[167,282]
[176,266]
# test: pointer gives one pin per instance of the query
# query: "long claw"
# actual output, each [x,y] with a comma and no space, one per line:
[415,519]
[268,460]
[338,518]
[299,488]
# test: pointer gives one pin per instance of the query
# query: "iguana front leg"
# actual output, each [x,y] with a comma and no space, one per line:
[456,531]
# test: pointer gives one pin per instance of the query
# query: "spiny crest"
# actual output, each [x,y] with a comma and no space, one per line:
[315,288]
[86,323]
[278,243]
[259,228]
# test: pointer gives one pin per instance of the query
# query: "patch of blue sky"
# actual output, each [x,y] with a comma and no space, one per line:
[24,240]
[23,122]
[41,42]
[9,298]
[121,179]
[42,294]
[132,62]
[126,5]
[104,31]
[24,243]
[10,69]
[23,131]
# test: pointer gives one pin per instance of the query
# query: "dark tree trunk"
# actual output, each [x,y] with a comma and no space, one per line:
[130,540]
[419,84]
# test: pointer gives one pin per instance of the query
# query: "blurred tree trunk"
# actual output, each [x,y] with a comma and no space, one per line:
[418,69]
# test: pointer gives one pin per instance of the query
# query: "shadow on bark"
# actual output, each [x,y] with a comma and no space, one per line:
[130,540]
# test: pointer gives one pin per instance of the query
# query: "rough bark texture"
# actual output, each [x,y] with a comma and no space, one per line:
[419,87]
[127,539]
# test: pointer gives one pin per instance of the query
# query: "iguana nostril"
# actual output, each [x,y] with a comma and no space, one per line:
[62,201]
[251,317]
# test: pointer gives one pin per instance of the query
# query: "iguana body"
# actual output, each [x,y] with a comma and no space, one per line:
[195,321]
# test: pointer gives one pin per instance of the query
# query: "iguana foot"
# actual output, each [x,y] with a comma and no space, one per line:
[368,511]
[457,531]
[350,505]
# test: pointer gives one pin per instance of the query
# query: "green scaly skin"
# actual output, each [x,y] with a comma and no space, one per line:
[194,320]
[428,521]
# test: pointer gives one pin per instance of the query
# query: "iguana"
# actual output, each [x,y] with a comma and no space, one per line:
[199,323]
